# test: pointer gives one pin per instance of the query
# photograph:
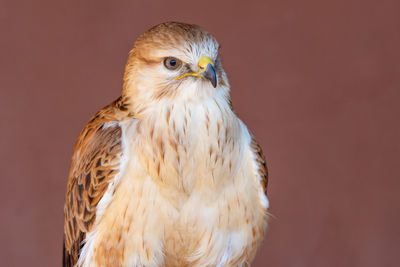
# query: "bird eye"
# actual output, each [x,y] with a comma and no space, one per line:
[172,63]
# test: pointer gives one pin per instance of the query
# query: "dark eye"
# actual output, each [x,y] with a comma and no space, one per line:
[172,63]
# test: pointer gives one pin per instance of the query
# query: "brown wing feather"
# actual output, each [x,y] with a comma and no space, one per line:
[260,161]
[94,163]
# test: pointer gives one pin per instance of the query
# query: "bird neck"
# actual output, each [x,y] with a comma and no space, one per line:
[178,142]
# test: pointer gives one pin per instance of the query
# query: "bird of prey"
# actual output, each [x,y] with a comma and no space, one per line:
[167,174]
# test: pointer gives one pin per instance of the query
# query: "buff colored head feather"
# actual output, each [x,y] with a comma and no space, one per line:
[174,62]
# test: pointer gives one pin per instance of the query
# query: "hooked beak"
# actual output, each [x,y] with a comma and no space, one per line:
[206,71]
[210,75]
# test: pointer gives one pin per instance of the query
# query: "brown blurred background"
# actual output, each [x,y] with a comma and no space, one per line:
[318,82]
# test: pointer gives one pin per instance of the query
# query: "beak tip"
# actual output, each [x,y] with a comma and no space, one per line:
[214,83]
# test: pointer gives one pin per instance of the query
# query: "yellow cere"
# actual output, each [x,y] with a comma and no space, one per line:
[203,62]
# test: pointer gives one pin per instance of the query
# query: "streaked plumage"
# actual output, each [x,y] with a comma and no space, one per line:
[167,175]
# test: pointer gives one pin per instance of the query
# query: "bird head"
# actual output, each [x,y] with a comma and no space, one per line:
[174,62]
